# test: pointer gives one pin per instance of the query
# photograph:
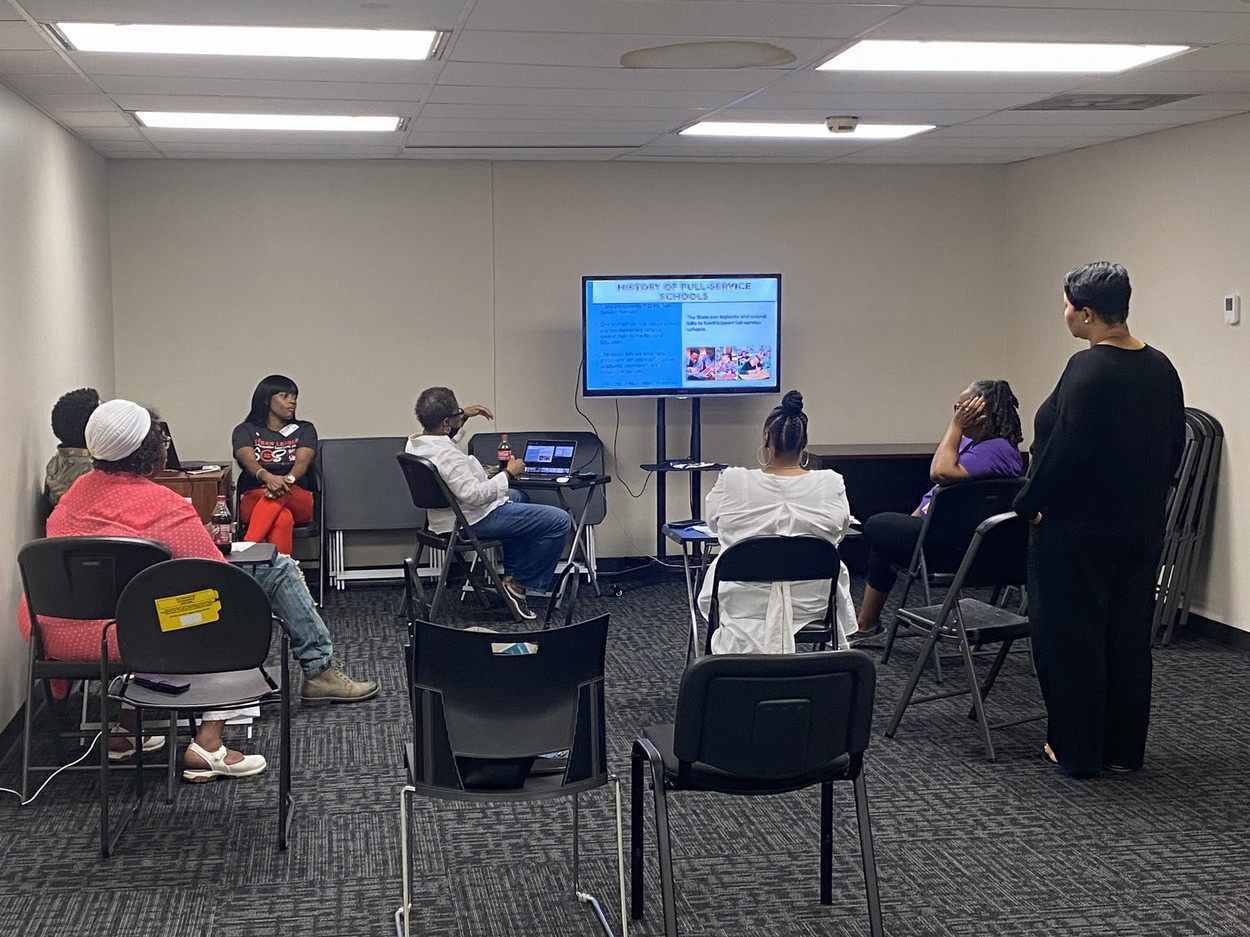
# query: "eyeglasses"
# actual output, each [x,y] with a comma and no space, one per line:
[458,413]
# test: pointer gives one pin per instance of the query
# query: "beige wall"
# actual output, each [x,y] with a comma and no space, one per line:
[56,325]
[366,282]
[1170,207]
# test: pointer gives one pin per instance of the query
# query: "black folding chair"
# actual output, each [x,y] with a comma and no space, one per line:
[758,724]
[952,518]
[781,559]
[207,624]
[429,492]
[997,559]
[76,578]
[487,705]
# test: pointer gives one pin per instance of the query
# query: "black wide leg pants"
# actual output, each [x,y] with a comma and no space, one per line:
[1091,604]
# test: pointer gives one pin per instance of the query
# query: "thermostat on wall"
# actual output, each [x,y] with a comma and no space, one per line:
[1232,309]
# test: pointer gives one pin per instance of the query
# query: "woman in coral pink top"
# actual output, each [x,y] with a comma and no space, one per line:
[118,498]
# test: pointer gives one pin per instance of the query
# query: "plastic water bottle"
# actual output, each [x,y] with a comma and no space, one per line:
[504,452]
[220,526]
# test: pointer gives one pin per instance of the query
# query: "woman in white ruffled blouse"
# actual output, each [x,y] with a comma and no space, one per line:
[781,499]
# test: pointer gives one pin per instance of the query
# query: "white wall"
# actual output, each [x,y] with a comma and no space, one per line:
[367,282]
[56,325]
[1170,207]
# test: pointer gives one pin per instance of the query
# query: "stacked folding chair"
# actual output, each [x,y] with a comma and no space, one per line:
[1188,516]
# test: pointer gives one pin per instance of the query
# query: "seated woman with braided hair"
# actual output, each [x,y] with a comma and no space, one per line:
[782,498]
[980,442]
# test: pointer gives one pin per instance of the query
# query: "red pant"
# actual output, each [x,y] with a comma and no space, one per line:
[271,520]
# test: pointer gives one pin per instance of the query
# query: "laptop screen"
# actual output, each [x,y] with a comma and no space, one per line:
[549,456]
[172,463]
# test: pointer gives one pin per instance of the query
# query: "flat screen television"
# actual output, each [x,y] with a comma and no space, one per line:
[677,336]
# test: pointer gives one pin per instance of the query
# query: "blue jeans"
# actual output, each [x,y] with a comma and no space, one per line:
[289,598]
[533,538]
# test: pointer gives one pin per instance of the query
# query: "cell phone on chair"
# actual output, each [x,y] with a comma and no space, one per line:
[160,684]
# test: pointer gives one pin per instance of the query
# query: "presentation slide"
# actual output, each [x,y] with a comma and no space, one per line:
[682,335]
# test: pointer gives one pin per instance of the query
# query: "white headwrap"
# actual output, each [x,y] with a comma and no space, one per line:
[116,429]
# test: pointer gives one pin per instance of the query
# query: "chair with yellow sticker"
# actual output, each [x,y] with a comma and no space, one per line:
[194,635]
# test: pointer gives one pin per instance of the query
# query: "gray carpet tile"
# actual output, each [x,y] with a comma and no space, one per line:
[964,846]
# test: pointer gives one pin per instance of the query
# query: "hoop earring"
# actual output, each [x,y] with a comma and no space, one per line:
[759,456]
[804,459]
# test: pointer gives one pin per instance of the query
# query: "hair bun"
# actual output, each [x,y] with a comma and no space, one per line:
[792,403]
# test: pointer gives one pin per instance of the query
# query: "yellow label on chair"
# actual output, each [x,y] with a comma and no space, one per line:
[187,611]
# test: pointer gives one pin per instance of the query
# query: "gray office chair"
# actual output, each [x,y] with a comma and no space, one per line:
[759,724]
[221,658]
[483,713]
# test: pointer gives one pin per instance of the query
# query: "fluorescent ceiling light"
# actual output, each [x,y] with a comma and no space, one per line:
[251,40]
[185,121]
[875,55]
[760,128]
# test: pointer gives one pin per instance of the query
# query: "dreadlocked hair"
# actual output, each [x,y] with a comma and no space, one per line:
[1002,419]
[787,424]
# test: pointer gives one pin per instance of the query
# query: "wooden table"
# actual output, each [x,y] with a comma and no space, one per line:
[202,488]
[879,477]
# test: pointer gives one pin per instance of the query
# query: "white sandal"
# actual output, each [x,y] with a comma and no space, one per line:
[151,743]
[217,767]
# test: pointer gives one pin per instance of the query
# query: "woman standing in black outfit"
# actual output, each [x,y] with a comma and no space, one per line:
[1106,444]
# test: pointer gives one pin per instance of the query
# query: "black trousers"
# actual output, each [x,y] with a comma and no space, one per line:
[891,539]
[1091,605]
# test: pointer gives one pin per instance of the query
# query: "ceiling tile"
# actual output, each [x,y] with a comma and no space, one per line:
[542,80]
[690,18]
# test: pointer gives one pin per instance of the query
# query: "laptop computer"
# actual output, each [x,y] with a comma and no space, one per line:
[548,458]
[172,462]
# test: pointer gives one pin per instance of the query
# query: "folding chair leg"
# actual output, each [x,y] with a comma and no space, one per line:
[28,721]
[635,835]
[930,647]
[171,764]
[868,856]
[577,885]
[405,909]
[890,633]
[109,839]
[286,804]
[664,849]
[826,842]
[441,587]
[978,704]
[990,677]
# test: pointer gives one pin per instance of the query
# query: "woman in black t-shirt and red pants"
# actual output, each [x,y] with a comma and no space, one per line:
[275,453]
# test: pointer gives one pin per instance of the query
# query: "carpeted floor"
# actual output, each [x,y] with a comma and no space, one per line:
[964,847]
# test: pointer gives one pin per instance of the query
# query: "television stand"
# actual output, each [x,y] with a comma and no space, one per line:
[692,466]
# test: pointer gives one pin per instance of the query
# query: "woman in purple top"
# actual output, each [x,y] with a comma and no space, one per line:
[980,442]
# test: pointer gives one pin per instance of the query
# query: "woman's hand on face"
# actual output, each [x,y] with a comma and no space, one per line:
[969,413]
[476,409]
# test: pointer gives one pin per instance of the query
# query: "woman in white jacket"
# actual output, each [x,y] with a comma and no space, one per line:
[780,499]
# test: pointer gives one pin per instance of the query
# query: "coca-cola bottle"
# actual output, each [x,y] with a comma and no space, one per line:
[504,453]
[220,526]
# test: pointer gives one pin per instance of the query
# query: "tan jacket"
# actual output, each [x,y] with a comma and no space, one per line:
[64,467]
